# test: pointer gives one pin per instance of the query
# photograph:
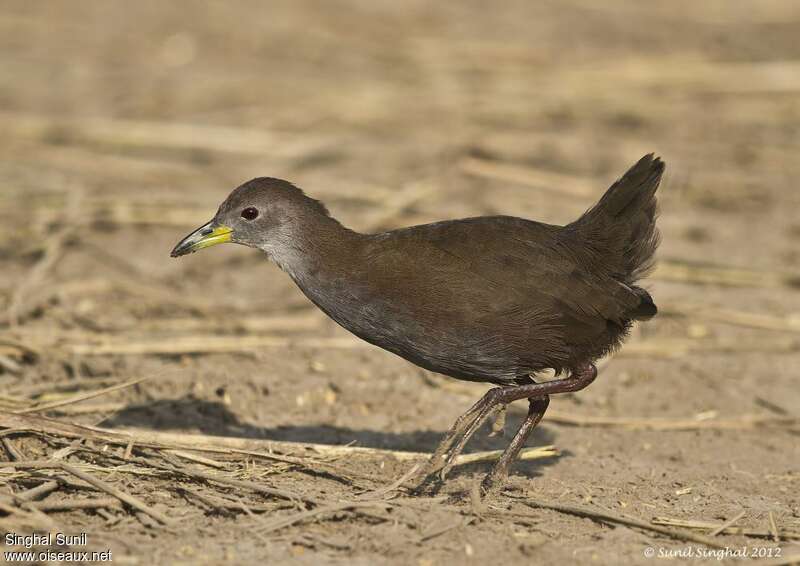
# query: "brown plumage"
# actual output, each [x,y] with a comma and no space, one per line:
[495,299]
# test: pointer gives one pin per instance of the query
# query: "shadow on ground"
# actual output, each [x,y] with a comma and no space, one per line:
[214,418]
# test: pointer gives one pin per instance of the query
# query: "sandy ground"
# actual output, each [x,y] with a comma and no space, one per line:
[124,125]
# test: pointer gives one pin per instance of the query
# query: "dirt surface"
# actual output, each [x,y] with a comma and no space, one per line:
[124,126]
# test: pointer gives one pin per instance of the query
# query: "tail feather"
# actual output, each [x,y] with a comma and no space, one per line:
[621,227]
[646,309]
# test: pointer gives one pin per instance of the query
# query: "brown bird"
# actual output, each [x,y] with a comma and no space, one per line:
[495,299]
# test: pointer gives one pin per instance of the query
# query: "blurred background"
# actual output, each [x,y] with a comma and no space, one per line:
[124,125]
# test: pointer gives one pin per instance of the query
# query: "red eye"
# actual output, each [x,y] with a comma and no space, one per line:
[250,213]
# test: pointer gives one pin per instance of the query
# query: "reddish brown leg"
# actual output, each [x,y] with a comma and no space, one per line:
[498,475]
[468,423]
[437,461]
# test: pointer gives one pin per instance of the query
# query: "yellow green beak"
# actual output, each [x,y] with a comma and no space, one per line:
[204,237]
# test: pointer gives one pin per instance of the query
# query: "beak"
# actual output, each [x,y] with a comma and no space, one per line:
[204,237]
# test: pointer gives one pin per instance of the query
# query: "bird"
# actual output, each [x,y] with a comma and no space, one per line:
[495,299]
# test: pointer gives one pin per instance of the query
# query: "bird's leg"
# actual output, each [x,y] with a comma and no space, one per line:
[468,423]
[577,380]
[474,425]
[437,460]
[536,408]
[462,430]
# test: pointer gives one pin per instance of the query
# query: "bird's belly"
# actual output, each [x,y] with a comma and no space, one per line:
[440,348]
[439,341]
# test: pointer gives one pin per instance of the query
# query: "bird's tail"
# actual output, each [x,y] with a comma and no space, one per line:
[621,228]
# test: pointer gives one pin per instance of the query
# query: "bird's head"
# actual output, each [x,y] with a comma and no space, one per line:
[264,213]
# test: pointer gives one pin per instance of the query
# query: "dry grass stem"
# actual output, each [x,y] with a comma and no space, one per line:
[606,517]
[729,530]
[81,397]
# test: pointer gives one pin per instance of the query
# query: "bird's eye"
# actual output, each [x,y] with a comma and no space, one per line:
[250,213]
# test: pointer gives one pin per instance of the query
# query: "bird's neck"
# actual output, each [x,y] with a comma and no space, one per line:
[309,248]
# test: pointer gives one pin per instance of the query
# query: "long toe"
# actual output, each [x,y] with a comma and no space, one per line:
[475,424]
[494,480]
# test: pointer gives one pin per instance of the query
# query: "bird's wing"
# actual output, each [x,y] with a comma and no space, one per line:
[523,265]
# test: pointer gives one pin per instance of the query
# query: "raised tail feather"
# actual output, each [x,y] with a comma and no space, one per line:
[621,227]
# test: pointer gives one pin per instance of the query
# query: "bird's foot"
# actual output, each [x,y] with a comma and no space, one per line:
[474,425]
[457,437]
[495,479]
